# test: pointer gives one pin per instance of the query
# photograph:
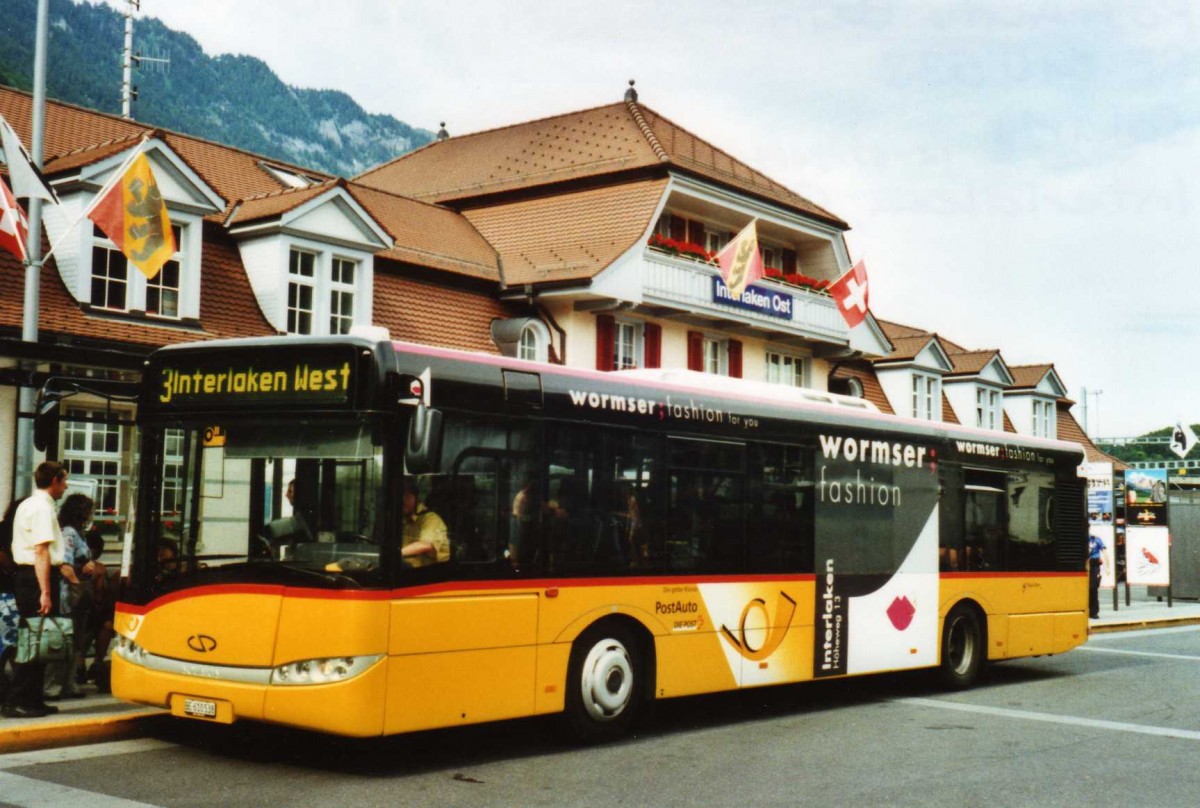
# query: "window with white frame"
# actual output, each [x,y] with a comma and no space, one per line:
[715,241]
[341,296]
[534,343]
[162,291]
[987,409]
[626,350]
[172,482]
[92,449]
[772,257]
[785,369]
[925,397]
[110,274]
[715,356]
[1043,419]
[662,227]
[301,284]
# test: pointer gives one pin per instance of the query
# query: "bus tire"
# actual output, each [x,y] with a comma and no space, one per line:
[963,648]
[604,684]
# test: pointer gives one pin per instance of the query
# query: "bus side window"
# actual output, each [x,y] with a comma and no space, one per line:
[704,523]
[951,519]
[779,537]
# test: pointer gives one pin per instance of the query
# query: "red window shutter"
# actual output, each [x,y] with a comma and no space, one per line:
[678,228]
[695,350]
[789,262]
[652,337]
[735,358]
[695,233]
[605,339]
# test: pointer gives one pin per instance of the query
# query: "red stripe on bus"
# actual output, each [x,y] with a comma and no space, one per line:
[450,586]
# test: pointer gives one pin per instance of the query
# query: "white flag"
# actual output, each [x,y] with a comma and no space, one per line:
[1182,439]
[27,182]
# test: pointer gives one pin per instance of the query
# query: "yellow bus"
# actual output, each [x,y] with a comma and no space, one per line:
[367,538]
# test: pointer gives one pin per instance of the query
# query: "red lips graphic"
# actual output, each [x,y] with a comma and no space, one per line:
[901,612]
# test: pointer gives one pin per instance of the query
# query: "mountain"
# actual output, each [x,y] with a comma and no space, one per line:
[235,100]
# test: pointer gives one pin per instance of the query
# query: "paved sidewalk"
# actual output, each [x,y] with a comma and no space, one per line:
[98,717]
[93,718]
[1144,611]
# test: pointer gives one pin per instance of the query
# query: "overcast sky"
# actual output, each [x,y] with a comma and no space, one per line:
[1018,175]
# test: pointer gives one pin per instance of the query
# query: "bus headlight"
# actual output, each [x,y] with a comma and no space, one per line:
[322,671]
[130,651]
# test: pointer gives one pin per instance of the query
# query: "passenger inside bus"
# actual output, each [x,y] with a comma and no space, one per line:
[424,540]
[301,516]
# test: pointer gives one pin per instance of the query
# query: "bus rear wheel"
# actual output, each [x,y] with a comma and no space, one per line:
[604,684]
[962,648]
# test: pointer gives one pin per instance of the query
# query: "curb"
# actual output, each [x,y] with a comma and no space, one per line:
[75,731]
[1135,625]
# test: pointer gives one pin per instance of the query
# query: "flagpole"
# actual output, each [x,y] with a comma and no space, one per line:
[104,189]
[33,266]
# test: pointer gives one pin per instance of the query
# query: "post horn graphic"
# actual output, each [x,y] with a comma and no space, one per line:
[785,607]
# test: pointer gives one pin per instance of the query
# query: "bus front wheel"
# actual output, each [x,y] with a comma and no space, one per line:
[963,648]
[604,684]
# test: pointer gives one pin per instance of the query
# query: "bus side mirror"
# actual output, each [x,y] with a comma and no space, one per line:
[423,449]
[45,424]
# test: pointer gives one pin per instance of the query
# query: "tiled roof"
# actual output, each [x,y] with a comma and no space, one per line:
[591,143]
[428,235]
[948,413]
[568,236]
[435,315]
[267,206]
[76,137]
[425,235]
[1029,375]
[904,348]
[970,363]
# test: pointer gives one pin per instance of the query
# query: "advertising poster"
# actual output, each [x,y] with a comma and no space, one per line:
[1100,517]
[876,598]
[1148,556]
[1146,497]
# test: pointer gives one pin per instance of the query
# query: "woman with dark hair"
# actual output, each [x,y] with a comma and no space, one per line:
[74,515]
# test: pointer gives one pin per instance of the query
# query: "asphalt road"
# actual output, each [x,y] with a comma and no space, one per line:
[1114,723]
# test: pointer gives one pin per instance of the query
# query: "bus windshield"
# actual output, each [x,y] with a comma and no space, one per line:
[298,495]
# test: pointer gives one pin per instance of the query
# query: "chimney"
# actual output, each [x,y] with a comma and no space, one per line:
[442,133]
[631,94]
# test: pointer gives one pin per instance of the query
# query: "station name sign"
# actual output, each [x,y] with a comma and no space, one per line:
[317,378]
[755,298]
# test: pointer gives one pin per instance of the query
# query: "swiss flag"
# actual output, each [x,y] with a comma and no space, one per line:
[14,227]
[850,292]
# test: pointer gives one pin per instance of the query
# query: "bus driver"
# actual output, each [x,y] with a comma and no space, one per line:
[424,540]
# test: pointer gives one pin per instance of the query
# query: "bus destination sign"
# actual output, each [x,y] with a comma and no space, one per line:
[319,378]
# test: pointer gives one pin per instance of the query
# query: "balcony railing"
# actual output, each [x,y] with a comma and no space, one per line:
[686,284]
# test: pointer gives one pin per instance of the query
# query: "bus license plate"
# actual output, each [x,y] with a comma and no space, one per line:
[200,708]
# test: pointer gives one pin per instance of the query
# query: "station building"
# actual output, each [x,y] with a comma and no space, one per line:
[581,239]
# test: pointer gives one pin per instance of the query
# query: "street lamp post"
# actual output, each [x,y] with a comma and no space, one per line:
[33,249]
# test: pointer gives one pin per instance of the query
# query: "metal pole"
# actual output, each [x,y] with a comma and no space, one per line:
[127,65]
[29,324]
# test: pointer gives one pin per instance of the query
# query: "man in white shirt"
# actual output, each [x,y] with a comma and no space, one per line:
[38,552]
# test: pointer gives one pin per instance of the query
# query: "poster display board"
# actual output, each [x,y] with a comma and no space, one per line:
[1148,556]
[1100,517]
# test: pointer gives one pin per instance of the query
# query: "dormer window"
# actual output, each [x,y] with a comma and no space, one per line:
[322,289]
[1044,422]
[341,296]
[987,409]
[926,397]
[301,271]
[114,286]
